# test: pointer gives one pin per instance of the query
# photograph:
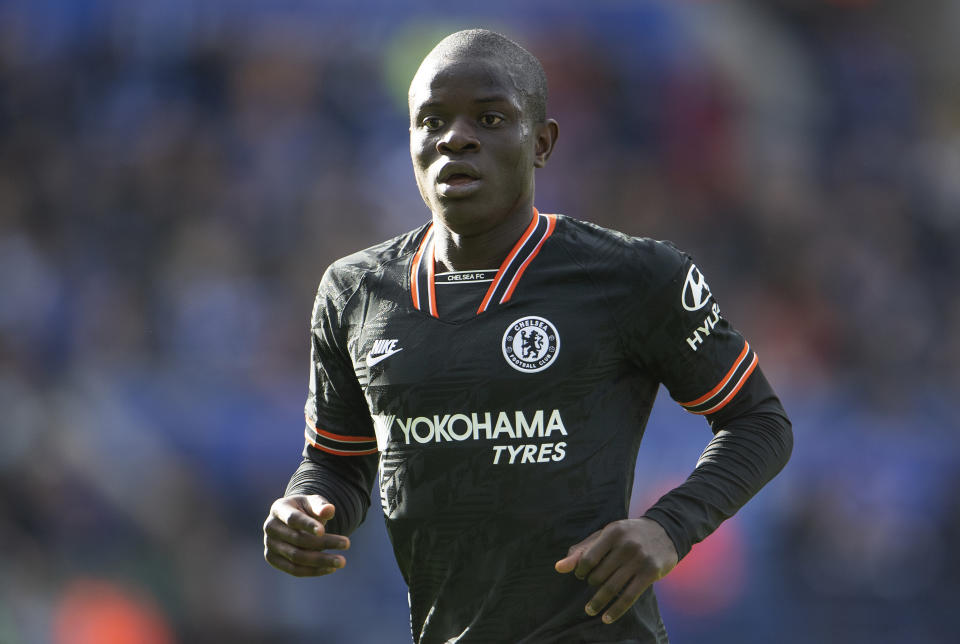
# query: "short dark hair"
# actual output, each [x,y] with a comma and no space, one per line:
[530,77]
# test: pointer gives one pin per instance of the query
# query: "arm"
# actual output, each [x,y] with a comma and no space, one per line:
[679,336]
[328,495]
[629,555]
[343,481]
[746,453]
[326,499]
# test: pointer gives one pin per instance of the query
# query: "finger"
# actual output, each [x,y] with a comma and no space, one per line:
[319,507]
[637,586]
[608,591]
[595,552]
[290,514]
[568,563]
[287,566]
[606,568]
[304,539]
[302,557]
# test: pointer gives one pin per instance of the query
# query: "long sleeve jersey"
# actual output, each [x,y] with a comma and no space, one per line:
[503,411]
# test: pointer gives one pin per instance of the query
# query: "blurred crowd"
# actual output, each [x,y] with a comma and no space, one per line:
[175,178]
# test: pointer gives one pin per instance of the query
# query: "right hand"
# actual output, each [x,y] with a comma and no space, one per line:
[295,537]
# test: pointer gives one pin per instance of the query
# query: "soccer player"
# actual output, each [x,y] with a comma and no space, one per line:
[499,365]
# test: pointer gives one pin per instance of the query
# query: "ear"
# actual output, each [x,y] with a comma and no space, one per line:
[546,138]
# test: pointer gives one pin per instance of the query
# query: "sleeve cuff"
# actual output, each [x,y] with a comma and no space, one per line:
[674,529]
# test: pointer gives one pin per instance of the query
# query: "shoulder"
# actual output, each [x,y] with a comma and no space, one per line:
[352,275]
[613,253]
[345,276]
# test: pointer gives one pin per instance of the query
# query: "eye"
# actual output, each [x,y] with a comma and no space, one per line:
[432,123]
[491,119]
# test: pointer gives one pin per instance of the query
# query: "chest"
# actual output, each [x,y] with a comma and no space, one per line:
[552,344]
[529,398]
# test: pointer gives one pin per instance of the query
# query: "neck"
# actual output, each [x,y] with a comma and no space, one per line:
[456,252]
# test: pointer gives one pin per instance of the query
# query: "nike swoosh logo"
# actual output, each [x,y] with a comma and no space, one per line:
[372,360]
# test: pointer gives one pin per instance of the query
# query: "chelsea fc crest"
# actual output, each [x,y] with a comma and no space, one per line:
[531,344]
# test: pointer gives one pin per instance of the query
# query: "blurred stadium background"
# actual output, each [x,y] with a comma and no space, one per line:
[175,176]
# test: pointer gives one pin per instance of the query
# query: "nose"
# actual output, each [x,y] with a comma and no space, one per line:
[459,137]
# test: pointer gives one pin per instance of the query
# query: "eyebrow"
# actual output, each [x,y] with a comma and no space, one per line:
[497,98]
[483,100]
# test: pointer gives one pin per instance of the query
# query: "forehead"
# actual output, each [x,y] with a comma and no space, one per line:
[450,80]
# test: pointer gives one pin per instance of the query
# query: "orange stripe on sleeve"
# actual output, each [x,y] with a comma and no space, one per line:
[340,437]
[723,382]
[341,452]
[729,396]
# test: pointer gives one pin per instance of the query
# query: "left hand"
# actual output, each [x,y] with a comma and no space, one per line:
[625,557]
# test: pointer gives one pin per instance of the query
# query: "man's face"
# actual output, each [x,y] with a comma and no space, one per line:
[473,149]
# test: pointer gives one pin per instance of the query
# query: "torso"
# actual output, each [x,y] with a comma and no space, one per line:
[505,436]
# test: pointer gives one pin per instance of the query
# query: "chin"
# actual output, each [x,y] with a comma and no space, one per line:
[467,216]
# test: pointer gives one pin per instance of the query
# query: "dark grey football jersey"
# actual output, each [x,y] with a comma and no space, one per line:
[509,433]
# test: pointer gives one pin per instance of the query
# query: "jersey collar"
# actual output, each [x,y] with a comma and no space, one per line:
[423,272]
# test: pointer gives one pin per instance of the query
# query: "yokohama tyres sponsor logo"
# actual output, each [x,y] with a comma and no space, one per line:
[473,426]
[483,426]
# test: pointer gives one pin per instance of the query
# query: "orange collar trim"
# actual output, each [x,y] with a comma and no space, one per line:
[422,269]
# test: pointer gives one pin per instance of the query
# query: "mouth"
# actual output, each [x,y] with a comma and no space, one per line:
[458,179]
[457,172]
